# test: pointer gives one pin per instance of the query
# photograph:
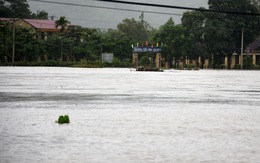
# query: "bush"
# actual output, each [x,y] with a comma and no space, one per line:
[237,66]
[248,63]
[144,61]
[63,119]
[142,68]
[88,64]
[191,67]
[50,63]
[222,66]
[257,67]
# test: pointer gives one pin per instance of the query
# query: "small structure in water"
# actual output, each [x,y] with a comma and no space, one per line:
[148,69]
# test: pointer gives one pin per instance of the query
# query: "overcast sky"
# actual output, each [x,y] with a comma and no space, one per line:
[107,18]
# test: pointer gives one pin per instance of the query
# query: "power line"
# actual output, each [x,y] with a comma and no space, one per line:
[91,20]
[102,21]
[101,7]
[180,7]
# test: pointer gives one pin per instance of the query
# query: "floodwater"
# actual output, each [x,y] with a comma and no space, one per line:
[118,115]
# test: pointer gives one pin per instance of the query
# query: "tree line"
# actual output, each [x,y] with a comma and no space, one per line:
[212,36]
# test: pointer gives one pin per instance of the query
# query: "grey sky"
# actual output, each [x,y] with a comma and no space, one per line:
[107,18]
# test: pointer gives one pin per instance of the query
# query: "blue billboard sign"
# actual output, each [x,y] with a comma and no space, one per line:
[141,49]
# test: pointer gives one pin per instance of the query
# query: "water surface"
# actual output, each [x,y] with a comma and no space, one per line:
[118,115]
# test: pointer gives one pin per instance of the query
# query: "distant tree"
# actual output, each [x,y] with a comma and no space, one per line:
[256,3]
[62,22]
[74,42]
[122,45]
[52,45]
[5,12]
[133,29]
[19,9]
[223,31]
[5,35]
[28,48]
[117,42]
[40,15]
[138,30]
[14,9]
[165,35]
[194,23]
[172,37]
[144,61]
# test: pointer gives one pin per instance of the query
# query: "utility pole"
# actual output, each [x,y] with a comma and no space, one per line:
[61,57]
[101,48]
[242,47]
[13,43]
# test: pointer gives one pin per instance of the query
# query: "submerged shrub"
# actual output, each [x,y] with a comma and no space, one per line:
[64,119]
[237,66]
[191,67]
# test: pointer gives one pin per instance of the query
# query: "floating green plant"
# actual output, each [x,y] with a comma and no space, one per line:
[63,119]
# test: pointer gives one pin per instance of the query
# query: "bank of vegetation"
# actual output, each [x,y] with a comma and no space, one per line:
[212,36]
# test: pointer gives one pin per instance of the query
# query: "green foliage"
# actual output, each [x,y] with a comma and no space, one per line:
[222,66]
[117,64]
[248,62]
[237,66]
[40,15]
[89,64]
[14,9]
[223,31]
[193,22]
[142,68]
[5,40]
[257,4]
[19,9]
[136,30]
[257,67]
[62,23]
[191,67]
[63,119]
[117,42]
[52,45]
[174,39]
[26,46]
[144,61]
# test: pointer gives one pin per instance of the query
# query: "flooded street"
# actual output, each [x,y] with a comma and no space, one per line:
[118,115]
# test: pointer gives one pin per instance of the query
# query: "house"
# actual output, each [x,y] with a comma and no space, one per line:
[253,50]
[255,45]
[41,27]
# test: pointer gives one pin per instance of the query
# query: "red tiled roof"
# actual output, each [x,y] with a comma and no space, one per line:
[42,24]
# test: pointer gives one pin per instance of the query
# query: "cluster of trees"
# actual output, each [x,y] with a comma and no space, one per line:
[88,44]
[210,35]
[19,9]
[72,43]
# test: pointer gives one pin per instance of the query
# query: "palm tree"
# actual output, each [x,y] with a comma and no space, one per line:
[62,22]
